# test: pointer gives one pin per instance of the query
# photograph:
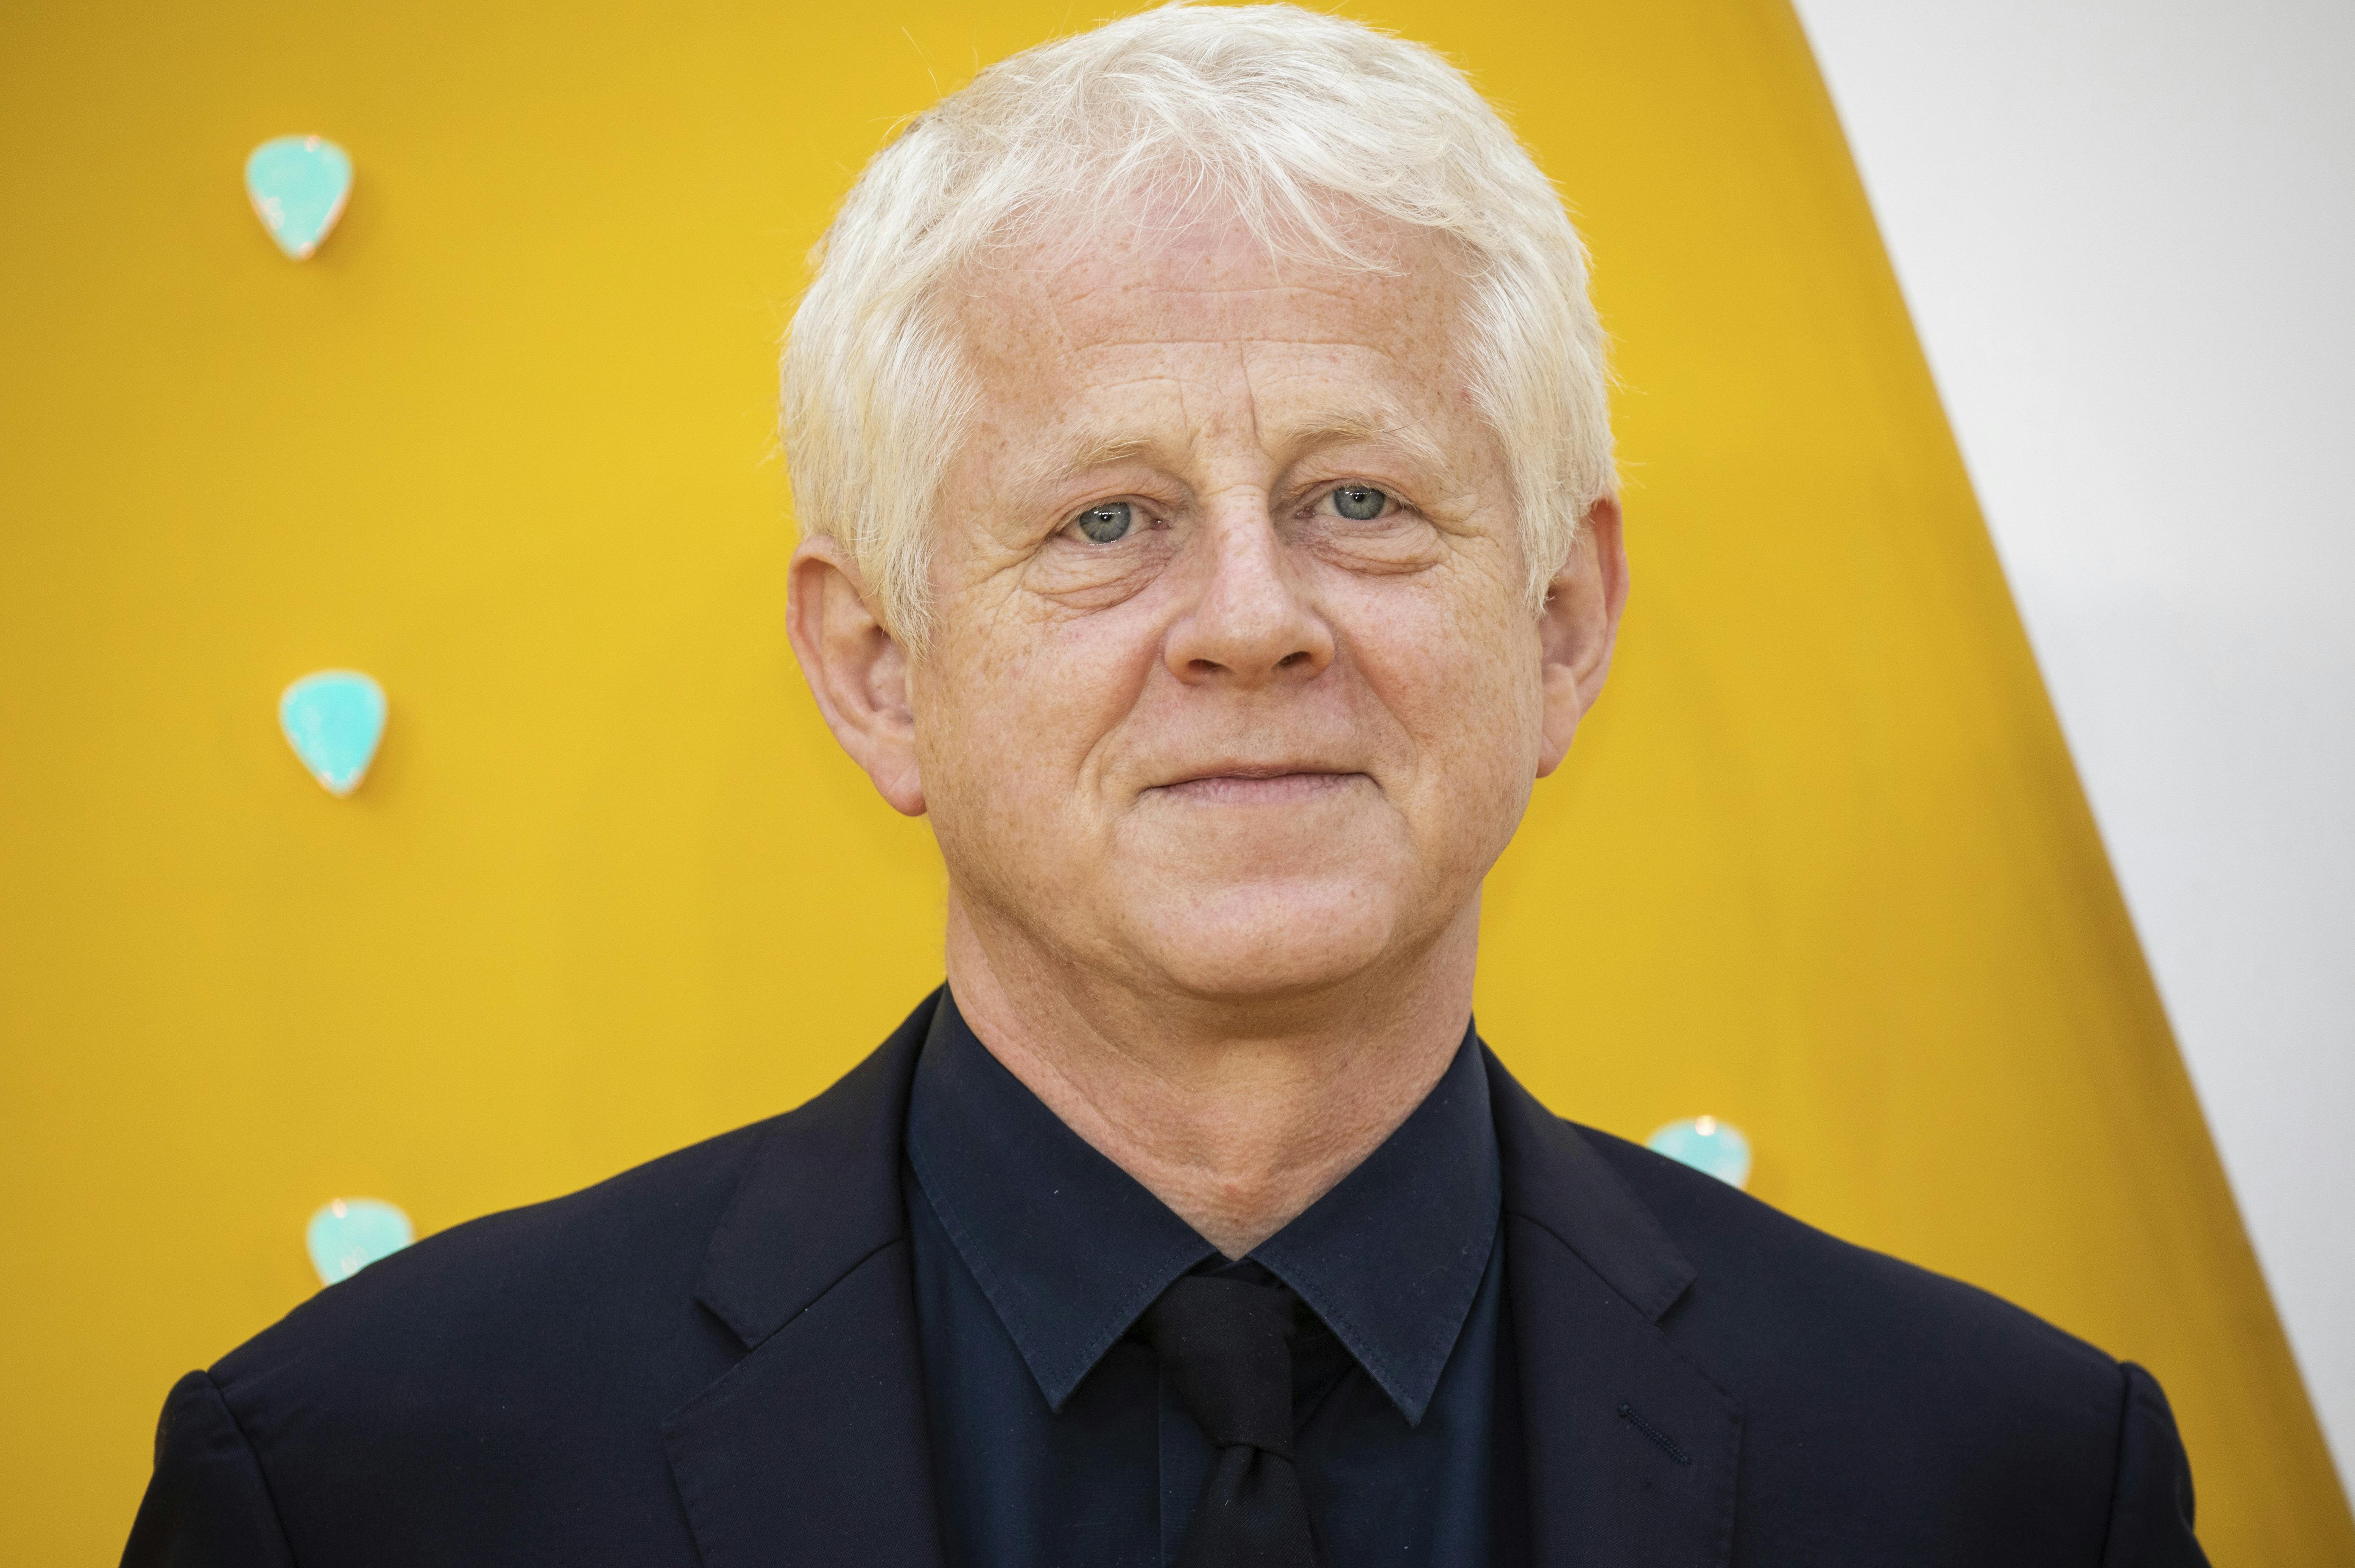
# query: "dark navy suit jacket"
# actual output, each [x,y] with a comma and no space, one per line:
[712,1361]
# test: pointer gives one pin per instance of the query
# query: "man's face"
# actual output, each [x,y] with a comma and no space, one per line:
[1234,688]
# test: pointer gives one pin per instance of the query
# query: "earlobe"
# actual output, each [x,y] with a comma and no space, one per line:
[857,670]
[1579,627]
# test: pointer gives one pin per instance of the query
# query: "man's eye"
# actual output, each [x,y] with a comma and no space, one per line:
[1359,503]
[1107,521]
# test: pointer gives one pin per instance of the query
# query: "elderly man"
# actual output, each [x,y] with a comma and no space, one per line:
[1199,430]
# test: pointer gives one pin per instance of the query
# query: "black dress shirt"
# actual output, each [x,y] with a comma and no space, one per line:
[1057,1440]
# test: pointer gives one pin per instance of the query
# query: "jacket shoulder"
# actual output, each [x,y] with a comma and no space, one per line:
[500,1390]
[605,1266]
[1925,1411]
[1811,1285]
[499,1386]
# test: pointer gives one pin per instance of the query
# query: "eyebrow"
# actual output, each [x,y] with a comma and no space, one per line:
[1103,452]
[1406,435]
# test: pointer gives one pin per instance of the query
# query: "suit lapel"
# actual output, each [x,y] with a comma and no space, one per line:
[1631,1450]
[813,1450]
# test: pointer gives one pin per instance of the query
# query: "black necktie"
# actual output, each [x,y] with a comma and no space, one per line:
[1227,1347]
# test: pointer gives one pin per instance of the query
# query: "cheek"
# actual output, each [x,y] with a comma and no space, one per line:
[1017,708]
[1460,675]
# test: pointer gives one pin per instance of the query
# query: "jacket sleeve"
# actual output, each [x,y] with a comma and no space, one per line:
[206,1505]
[2150,1503]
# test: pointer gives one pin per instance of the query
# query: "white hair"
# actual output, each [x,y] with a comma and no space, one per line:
[1293,120]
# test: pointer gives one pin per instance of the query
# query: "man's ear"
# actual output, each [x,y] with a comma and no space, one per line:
[1579,626]
[855,669]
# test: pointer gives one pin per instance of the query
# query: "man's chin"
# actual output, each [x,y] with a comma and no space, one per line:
[1259,943]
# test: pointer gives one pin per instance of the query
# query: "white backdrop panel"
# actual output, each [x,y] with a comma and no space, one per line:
[2124,227]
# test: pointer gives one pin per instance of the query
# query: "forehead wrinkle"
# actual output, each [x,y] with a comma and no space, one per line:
[1238,340]
[1238,308]
[1382,422]
[1082,289]
[1121,305]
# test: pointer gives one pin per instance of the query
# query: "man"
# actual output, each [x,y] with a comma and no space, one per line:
[1199,430]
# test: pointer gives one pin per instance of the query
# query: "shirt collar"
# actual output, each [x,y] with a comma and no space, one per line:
[1392,1256]
[1069,1249]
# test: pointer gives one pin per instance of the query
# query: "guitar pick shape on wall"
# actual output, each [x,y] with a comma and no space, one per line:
[333,719]
[299,186]
[1707,1145]
[350,1233]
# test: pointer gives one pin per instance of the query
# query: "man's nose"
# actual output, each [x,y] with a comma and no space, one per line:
[1250,623]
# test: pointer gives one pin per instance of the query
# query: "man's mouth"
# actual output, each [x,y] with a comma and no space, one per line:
[1252,784]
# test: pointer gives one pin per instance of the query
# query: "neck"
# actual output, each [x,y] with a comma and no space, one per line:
[1238,1113]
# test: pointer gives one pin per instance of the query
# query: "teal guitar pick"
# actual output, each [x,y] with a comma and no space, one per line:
[1707,1145]
[333,719]
[350,1233]
[299,186]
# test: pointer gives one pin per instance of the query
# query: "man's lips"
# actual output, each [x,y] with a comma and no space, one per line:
[1254,785]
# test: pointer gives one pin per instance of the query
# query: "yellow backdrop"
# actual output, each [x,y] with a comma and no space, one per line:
[1820,865]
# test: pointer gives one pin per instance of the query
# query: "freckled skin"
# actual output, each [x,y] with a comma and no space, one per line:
[1217,786]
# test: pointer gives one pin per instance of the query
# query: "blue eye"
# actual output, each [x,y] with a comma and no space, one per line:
[1359,503]
[1106,521]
